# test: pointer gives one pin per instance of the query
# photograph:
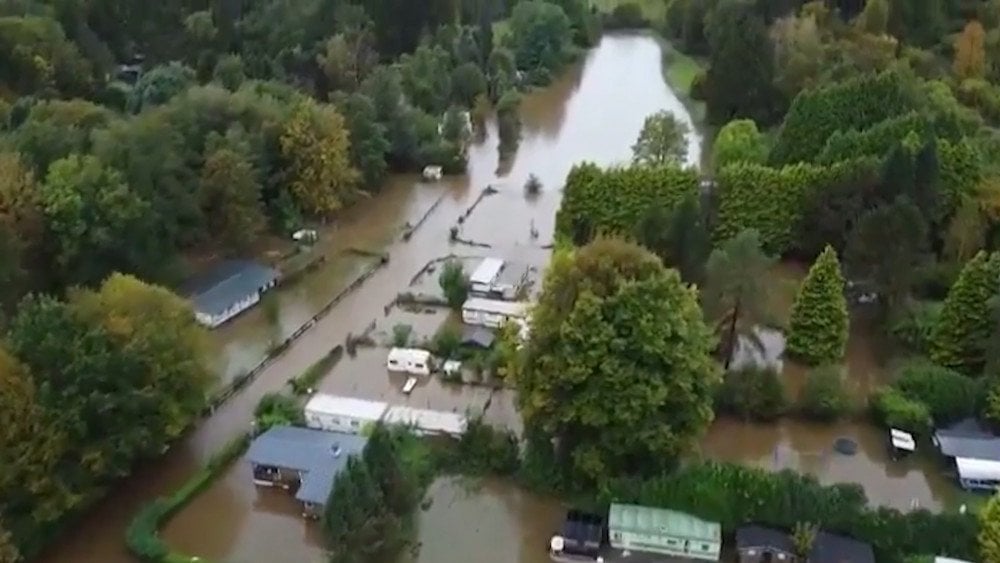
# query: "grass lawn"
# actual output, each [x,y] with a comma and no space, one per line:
[654,10]
[680,68]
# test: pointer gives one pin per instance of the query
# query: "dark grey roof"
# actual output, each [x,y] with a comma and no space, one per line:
[478,336]
[227,283]
[321,455]
[967,438]
[831,548]
[761,537]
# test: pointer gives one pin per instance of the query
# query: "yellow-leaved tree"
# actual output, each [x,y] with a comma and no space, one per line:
[970,52]
[316,143]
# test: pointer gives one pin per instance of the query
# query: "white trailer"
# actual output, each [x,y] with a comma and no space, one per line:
[409,360]
[342,414]
[492,313]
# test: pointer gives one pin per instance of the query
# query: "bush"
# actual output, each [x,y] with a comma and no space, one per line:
[454,284]
[276,409]
[612,201]
[752,393]
[483,450]
[772,200]
[446,342]
[948,395]
[915,325]
[401,335]
[734,495]
[893,409]
[824,396]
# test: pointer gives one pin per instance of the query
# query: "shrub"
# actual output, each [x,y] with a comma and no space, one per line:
[454,284]
[815,115]
[483,449]
[752,393]
[734,495]
[276,409]
[895,410]
[823,395]
[948,395]
[611,201]
[533,186]
[446,342]
[914,326]
[401,335]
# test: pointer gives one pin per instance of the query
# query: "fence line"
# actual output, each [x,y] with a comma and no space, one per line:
[408,232]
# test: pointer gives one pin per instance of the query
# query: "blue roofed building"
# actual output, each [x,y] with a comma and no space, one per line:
[228,289]
[303,459]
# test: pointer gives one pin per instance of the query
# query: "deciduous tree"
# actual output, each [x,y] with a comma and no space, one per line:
[230,193]
[960,337]
[160,84]
[618,366]
[737,291]
[454,283]
[663,140]
[315,142]
[540,37]
[369,138]
[818,327]
[970,52]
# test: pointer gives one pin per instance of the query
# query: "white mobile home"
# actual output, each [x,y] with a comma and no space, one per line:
[427,422]
[482,278]
[409,360]
[342,414]
[491,313]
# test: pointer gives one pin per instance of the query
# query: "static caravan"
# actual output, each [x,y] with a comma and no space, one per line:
[483,277]
[427,422]
[978,474]
[657,530]
[491,313]
[409,360]
[342,414]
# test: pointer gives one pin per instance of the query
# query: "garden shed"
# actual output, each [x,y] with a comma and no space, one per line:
[658,530]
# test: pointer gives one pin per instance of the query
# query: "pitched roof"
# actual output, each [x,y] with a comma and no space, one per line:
[320,455]
[969,440]
[831,548]
[648,520]
[761,537]
[227,283]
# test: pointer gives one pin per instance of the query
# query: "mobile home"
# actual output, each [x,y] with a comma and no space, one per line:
[482,278]
[491,313]
[409,360]
[657,530]
[342,414]
[229,289]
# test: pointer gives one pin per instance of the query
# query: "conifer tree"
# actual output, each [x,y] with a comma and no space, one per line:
[818,328]
[960,337]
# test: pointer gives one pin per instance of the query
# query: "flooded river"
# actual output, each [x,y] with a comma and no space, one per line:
[594,112]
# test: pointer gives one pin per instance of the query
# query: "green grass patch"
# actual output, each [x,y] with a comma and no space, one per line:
[680,69]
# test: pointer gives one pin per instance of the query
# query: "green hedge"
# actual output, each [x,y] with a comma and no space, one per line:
[857,104]
[142,536]
[735,495]
[771,200]
[875,141]
[612,200]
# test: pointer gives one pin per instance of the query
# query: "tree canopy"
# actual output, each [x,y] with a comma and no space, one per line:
[818,327]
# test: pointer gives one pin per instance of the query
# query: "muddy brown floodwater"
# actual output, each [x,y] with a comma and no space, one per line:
[593,112]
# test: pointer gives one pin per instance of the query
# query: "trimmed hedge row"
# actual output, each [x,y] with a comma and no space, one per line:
[142,536]
[875,141]
[771,200]
[613,200]
[817,114]
[735,495]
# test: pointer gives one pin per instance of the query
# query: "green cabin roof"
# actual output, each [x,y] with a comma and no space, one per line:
[646,520]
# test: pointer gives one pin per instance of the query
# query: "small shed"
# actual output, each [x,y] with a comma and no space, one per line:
[658,530]
[228,289]
[342,414]
[427,422]
[409,360]
[757,544]
[482,278]
[492,313]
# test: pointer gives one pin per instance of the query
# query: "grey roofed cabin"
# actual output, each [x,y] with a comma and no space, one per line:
[228,289]
[289,456]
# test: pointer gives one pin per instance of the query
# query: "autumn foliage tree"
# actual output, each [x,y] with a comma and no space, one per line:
[970,52]
[315,141]
[818,326]
[618,367]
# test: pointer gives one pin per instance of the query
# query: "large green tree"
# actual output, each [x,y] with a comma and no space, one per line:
[737,291]
[231,196]
[741,65]
[663,140]
[618,366]
[540,37]
[818,327]
[962,331]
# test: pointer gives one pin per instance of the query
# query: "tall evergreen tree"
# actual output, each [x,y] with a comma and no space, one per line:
[960,336]
[818,329]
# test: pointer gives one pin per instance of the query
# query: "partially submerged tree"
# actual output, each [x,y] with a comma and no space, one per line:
[454,283]
[737,291]
[618,368]
[663,140]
